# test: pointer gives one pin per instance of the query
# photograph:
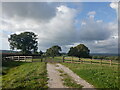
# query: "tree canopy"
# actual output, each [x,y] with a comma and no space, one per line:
[79,51]
[54,51]
[40,52]
[26,42]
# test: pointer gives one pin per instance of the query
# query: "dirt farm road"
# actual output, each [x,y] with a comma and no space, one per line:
[55,80]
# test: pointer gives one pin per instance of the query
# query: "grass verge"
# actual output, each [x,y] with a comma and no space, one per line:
[97,75]
[68,81]
[25,76]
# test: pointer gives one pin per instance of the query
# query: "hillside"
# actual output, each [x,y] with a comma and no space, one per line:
[103,54]
[7,51]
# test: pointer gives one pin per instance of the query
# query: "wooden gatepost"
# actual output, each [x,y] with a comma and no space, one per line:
[63,59]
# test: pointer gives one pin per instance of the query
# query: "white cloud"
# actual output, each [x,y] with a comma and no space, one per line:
[32,10]
[83,23]
[58,28]
[99,36]
[91,14]
[94,30]
[114,5]
[99,21]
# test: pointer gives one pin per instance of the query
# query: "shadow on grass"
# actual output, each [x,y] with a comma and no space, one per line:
[11,64]
[6,65]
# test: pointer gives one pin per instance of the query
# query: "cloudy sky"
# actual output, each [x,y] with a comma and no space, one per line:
[67,24]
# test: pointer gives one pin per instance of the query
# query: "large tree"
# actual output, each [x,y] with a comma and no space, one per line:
[40,52]
[54,51]
[80,51]
[26,42]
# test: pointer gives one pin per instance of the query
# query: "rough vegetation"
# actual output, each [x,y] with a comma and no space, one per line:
[68,81]
[26,75]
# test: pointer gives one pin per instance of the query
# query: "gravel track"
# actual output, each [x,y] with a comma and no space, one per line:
[55,78]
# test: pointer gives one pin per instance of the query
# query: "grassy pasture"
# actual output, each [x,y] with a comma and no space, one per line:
[24,75]
[104,76]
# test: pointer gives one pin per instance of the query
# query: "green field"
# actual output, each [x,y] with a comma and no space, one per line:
[100,76]
[33,75]
[19,75]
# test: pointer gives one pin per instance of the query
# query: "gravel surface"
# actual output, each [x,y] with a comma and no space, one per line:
[55,79]
[75,77]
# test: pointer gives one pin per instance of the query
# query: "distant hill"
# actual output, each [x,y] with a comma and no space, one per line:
[7,51]
[92,54]
[103,54]
[97,54]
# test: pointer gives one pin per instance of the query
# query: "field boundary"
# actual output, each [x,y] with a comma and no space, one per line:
[88,61]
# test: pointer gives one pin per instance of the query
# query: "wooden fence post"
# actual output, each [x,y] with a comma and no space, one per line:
[12,57]
[41,59]
[71,59]
[101,62]
[45,58]
[63,58]
[79,60]
[91,61]
[18,58]
[32,58]
[82,61]
[25,58]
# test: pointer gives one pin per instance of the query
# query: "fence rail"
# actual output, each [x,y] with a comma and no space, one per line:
[90,61]
[60,59]
[19,58]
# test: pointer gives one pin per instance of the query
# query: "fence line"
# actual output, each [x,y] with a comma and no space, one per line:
[62,59]
[91,61]
[19,58]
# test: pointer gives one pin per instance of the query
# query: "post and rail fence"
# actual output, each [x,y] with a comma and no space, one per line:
[89,61]
[64,59]
[20,57]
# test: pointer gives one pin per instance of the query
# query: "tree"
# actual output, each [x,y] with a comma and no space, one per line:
[53,51]
[26,42]
[72,51]
[79,51]
[40,52]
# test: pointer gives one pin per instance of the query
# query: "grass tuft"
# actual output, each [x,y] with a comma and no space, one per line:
[68,81]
